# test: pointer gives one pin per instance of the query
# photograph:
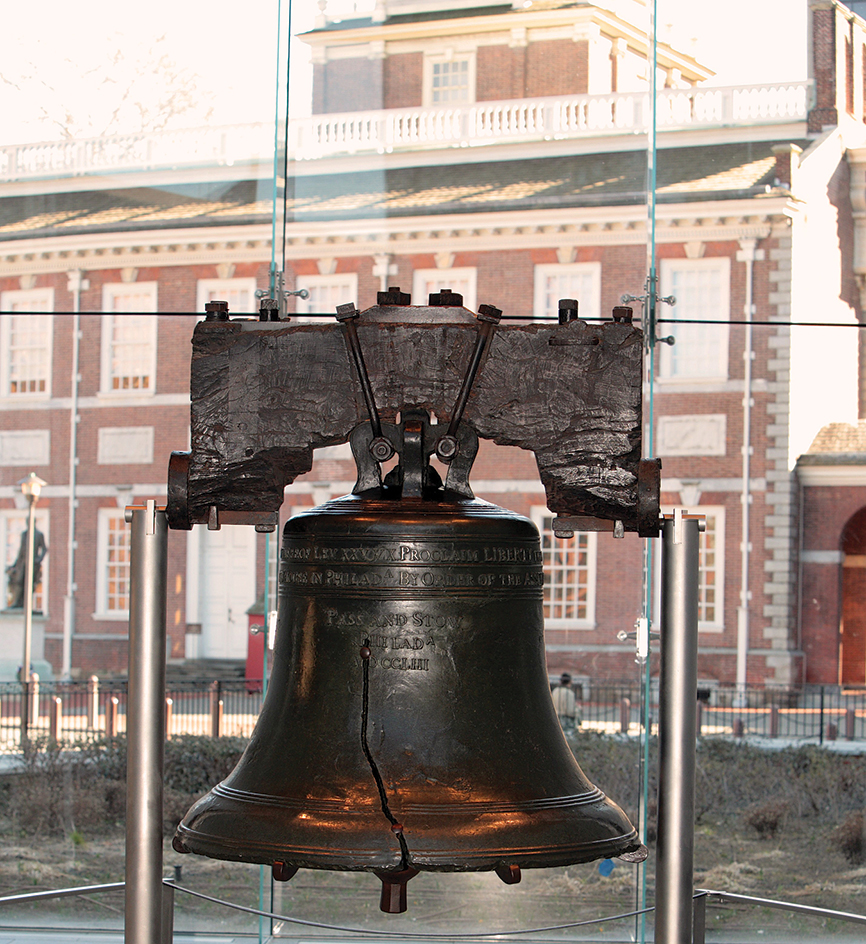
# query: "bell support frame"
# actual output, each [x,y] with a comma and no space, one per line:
[266,394]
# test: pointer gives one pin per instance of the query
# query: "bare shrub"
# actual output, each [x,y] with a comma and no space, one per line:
[768,817]
[849,837]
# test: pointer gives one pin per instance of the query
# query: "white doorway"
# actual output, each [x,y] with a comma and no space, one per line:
[227,582]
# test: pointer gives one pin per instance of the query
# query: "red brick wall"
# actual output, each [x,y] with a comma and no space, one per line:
[352,85]
[557,67]
[826,110]
[403,81]
[500,73]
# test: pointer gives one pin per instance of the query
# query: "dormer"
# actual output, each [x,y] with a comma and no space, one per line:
[441,53]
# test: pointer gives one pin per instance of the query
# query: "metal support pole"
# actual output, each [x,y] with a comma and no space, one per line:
[145,724]
[678,684]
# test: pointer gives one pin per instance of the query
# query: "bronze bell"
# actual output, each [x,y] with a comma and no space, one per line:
[408,723]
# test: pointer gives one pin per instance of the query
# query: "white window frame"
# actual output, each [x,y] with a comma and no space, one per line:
[230,290]
[686,309]
[29,300]
[105,517]
[427,281]
[345,282]
[433,59]
[715,516]
[111,292]
[542,518]
[43,524]
[588,274]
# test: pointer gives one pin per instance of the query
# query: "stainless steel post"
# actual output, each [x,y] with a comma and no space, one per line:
[677,729]
[145,724]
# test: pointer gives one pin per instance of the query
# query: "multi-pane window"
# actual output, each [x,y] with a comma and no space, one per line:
[569,576]
[702,291]
[129,340]
[711,575]
[426,282]
[239,293]
[711,571]
[326,292]
[112,578]
[450,81]
[25,342]
[580,280]
[13,534]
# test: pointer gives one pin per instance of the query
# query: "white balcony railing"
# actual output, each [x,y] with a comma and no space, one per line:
[406,129]
[190,147]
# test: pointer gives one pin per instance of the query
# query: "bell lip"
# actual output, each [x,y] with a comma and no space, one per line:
[552,856]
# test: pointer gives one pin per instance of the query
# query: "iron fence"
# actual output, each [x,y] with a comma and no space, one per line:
[67,712]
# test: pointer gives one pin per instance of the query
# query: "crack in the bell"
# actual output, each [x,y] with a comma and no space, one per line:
[396,827]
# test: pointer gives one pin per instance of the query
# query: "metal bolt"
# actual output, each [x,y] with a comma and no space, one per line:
[447,448]
[216,311]
[381,450]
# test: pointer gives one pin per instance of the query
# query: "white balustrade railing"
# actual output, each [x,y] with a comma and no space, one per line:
[400,129]
[529,119]
[220,145]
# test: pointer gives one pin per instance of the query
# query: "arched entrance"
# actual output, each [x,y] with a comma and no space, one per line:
[852,632]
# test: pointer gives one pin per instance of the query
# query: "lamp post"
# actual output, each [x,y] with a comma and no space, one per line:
[31,488]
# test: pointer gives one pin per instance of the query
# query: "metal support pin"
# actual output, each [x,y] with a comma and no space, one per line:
[488,318]
[380,447]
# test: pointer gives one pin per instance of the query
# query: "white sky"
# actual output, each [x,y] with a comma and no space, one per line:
[57,52]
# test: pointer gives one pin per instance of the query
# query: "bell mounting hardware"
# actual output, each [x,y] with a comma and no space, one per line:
[410,618]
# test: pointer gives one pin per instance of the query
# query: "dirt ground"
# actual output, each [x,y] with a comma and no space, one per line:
[768,826]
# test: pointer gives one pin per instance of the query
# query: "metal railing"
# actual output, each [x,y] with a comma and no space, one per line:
[701,898]
[67,712]
[71,711]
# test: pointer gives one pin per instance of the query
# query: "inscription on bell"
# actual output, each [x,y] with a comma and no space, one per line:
[412,554]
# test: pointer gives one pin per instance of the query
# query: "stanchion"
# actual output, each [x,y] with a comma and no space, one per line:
[145,724]
[678,684]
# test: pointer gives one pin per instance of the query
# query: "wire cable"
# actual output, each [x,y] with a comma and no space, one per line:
[405,934]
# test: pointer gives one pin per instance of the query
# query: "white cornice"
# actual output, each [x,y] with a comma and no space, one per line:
[723,220]
[91,251]
[816,475]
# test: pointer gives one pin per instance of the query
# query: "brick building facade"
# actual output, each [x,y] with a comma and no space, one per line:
[489,151]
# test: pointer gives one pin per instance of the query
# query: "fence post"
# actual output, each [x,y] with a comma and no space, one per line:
[216,709]
[832,731]
[699,717]
[821,719]
[55,717]
[167,913]
[168,707]
[624,715]
[111,717]
[774,721]
[699,920]
[850,723]
[739,729]
[34,697]
[93,701]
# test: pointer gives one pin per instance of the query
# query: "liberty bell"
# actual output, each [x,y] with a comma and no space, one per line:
[408,724]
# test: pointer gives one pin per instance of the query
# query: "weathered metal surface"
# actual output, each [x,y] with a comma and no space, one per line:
[266,394]
[408,722]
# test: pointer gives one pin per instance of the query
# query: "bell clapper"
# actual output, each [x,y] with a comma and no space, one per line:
[393,899]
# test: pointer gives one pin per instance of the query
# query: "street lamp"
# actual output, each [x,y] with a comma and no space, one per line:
[31,487]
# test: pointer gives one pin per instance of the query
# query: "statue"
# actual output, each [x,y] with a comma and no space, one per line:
[16,571]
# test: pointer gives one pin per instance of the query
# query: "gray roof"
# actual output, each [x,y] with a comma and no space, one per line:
[720,172]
